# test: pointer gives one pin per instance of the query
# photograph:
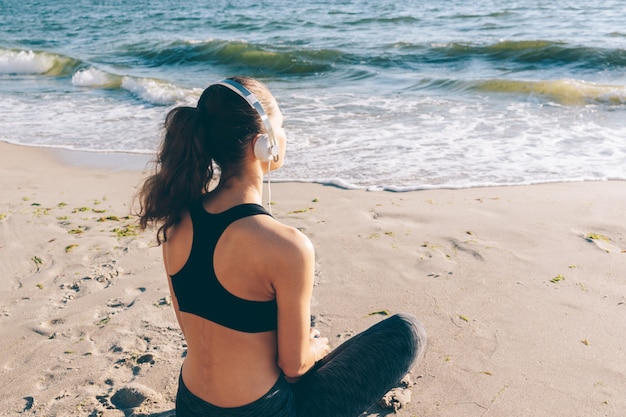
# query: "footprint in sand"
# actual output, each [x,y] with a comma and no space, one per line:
[132,295]
[72,290]
[104,274]
[128,397]
[48,377]
[47,328]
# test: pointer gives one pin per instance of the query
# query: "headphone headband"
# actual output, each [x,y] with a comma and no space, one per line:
[252,100]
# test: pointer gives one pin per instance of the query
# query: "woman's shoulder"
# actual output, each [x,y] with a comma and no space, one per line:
[283,253]
[276,239]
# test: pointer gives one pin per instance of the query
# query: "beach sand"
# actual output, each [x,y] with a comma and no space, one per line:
[522,291]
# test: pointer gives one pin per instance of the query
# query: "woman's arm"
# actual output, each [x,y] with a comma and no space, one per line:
[293,274]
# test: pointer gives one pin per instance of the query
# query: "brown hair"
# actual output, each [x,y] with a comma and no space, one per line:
[216,131]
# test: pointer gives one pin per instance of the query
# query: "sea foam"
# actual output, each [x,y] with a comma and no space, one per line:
[157,91]
[25,62]
[32,62]
[93,77]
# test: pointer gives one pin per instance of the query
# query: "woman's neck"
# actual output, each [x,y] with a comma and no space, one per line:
[245,187]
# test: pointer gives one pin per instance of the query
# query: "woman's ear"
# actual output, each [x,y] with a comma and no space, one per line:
[263,150]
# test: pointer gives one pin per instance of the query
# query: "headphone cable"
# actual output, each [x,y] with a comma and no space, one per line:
[269,187]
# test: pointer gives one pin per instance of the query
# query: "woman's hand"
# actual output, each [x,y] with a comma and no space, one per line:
[319,345]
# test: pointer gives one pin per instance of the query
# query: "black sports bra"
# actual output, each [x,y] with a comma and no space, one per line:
[197,288]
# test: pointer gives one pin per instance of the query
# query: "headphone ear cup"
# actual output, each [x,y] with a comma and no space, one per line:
[262,148]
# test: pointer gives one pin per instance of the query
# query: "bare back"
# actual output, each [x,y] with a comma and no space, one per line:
[226,367]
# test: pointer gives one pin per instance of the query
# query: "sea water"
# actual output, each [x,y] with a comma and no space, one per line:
[380,94]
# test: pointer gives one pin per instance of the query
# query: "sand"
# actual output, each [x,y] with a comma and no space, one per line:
[522,291]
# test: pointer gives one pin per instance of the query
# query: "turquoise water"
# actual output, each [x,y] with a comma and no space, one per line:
[375,94]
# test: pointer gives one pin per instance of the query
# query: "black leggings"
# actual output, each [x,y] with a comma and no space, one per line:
[348,381]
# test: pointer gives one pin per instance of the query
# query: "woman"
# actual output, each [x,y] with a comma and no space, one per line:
[241,281]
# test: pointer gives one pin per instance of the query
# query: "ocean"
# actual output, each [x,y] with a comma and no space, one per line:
[377,94]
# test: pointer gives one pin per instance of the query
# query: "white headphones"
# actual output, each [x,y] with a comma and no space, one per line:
[266,147]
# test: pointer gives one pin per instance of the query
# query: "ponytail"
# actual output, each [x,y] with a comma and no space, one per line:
[182,174]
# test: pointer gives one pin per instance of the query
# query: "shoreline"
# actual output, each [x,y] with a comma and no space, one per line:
[116,161]
[128,161]
[522,290]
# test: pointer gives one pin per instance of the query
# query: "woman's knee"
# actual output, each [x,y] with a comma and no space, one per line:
[412,329]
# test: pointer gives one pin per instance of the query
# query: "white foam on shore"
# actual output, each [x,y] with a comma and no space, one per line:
[391,142]
[406,143]
[84,122]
